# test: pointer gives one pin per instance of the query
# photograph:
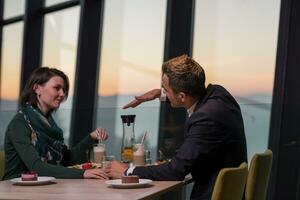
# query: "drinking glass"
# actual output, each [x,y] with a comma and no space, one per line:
[98,152]
[139,155]
[106,160]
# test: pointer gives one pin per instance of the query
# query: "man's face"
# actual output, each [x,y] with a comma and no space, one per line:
[172,96]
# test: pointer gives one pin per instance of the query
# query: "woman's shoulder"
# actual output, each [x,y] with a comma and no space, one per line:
[17,120]
[18,117]
[17,128]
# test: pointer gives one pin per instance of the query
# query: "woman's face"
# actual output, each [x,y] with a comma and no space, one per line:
[50,94]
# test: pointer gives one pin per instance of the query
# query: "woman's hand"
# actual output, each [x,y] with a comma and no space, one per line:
[95,173]
[148,96]
[99,134]
[115,169]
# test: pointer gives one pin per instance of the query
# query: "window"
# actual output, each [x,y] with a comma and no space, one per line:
[13,8]
[131,59]
[235,41]
[10,74]
[59,51]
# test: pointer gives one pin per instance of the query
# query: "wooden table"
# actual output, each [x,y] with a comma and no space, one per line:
[84,189]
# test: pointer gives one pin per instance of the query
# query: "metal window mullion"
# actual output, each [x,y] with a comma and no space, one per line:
[86,77]
[12,20]
[178,40]
[32,39]
[60,6]
[1,36]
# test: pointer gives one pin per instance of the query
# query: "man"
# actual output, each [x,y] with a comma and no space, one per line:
[214,135]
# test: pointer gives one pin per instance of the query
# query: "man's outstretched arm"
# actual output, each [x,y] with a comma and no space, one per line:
[148,96]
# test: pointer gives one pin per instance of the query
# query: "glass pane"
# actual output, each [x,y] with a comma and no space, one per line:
[235,41]
[13,8]
[52,2]
[10,74]
[131,65]
[59,51]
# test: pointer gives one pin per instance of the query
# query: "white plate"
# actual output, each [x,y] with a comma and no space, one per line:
[117,183]
[41,181]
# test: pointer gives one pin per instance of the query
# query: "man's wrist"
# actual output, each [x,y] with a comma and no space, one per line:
[129,171]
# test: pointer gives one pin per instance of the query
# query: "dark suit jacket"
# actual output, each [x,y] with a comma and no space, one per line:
[214,139]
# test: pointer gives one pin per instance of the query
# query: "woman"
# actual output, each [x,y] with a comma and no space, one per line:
[34,142]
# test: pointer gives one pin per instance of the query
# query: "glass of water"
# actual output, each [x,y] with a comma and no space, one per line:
[106,160]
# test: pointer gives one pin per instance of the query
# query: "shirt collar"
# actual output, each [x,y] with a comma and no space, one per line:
[191,109]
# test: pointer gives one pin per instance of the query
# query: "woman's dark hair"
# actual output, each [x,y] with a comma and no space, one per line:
[41,76]
[185,75]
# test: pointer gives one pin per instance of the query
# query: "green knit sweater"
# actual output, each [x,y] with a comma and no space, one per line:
[21,156]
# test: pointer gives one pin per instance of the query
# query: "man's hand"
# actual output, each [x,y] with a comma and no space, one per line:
[95,173]
[115,169]
[148,96]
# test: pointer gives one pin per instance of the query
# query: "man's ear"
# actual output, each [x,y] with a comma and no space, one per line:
[182,97]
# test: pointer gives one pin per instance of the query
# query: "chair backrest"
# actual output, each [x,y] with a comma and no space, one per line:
[2,162]
[258,177]
[230,183]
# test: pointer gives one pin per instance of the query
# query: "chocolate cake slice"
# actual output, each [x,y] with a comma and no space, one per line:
[130,179]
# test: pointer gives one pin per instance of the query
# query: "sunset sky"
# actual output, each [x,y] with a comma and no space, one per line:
[235,41]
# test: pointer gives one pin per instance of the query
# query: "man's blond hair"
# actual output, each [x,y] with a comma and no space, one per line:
[185,75]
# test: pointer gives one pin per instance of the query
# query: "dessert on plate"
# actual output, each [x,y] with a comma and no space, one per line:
[130,179]
[29,176]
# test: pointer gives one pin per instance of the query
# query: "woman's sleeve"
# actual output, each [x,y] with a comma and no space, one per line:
[20,135]
[80,152]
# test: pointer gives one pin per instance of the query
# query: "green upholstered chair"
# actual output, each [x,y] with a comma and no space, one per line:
[2,162]
[258,177]
[230,183]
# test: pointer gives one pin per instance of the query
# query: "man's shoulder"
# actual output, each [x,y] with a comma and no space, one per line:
[218,91]
[218,105]
[212,105]
[218,98]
